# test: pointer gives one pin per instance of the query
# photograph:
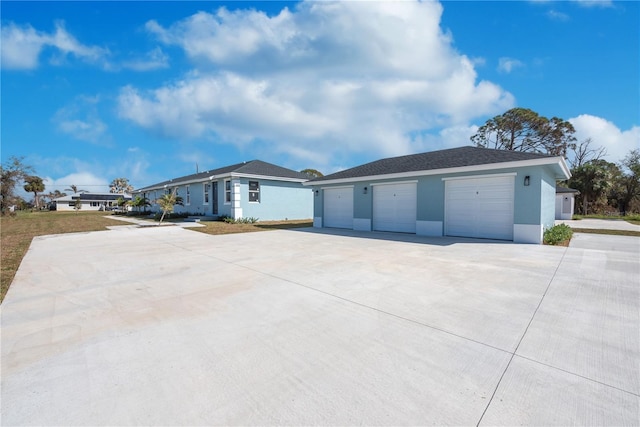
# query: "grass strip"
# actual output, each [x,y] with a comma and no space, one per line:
[17,232]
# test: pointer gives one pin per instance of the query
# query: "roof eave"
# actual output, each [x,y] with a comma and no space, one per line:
[560,167]
[221,176]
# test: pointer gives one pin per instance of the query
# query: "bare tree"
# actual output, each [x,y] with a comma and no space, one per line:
[585,152]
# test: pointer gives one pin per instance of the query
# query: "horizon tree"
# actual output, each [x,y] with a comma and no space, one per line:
[585,152]
[626,185]
[11,173]
[522,129]
[34,184]
[120,186]
[312,173]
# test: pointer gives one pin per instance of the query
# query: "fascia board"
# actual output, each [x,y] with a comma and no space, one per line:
[267,177]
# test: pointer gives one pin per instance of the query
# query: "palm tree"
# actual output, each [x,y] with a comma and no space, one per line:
[139,202]
[34,184]
[167,202]
[121,203]
[121,186]
[75,189]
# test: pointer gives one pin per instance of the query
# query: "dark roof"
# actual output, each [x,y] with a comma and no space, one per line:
[442,159]
[102,197]
[565,190]
[253,167]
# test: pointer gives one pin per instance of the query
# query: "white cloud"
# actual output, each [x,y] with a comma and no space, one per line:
[153,60]
[557,16]
[83,180]
[594,3]
[328,77]
[605,133]
[507,65]
[80,120]
[22,45]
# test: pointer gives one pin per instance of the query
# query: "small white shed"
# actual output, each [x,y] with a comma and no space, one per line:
[565,202]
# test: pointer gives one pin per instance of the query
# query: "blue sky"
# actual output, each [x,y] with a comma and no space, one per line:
[91,91]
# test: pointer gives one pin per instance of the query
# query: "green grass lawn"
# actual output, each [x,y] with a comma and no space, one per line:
[16,233]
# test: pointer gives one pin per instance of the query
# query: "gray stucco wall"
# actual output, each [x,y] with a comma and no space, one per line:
[533,204]
[548,191]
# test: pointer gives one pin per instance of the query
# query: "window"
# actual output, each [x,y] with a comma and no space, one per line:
[254,191]
[94,204]
[205,197]
[227,191]
[72,204]
[188,195]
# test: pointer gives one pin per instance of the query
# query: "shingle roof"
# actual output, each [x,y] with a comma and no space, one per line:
[566,190]
[253,167]
[442,159]
[93,197]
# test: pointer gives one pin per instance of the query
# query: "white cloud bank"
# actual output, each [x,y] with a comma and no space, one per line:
[325,79]
[604,133]
[83,180]
[22,45]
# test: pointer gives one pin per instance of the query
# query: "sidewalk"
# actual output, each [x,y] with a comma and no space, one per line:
[603,224]
[146,223]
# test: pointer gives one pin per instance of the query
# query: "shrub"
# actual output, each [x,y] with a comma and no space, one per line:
[248,220]
[558,234]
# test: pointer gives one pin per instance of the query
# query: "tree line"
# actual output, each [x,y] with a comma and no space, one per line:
[605,187]
[15,171]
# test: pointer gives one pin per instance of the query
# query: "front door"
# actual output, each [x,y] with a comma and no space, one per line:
[214,197]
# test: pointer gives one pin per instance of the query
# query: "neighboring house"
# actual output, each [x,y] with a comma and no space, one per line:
[90,201]
[251,189]
[467,192]
[565,202]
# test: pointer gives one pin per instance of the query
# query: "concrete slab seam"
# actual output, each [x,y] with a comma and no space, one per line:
[522,337]
[577,375]
[513,354]
[347,300]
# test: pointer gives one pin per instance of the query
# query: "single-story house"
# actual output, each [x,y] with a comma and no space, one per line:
[250,189]
[466,191]
[565,202]
[89,201]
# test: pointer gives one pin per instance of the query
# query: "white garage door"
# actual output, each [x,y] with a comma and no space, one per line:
[338,207]
[480,207]
[394,207]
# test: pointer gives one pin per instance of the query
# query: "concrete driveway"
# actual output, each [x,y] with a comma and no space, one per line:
[166,326]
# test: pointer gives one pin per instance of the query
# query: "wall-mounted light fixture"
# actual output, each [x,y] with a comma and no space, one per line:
[527,180]
[364,190]
[317,192]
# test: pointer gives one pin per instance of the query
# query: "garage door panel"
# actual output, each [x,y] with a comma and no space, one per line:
[480,207]
[338,207]
[394,207]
